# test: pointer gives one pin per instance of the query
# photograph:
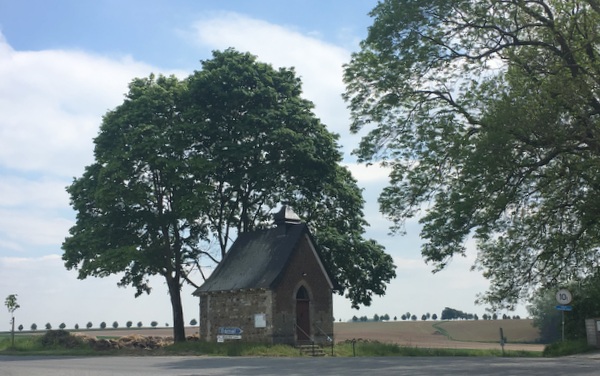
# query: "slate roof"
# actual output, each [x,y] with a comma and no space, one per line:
[257,259]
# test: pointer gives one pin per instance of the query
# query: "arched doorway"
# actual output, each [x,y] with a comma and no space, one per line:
[302,315]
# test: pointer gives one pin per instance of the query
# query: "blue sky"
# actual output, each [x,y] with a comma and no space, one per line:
[63,64]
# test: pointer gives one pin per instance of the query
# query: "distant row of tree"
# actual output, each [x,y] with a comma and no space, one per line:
[102,325]
[447,314]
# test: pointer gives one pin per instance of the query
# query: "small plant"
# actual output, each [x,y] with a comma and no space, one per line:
[60,338]
[89,325]
[11,304]
[102,325]
[115,325]
[154,324]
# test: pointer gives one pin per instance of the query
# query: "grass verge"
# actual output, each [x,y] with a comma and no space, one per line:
[62,343]
[565,348]
[374,348]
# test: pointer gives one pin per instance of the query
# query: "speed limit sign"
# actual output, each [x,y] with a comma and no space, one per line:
[563,296]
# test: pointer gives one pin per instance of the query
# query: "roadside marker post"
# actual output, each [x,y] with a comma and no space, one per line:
[563,297]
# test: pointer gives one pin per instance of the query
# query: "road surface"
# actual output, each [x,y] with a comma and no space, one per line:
[210,366]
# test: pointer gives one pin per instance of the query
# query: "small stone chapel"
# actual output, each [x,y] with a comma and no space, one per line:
[271,287]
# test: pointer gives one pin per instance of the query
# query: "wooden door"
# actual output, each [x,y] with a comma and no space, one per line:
[303,319]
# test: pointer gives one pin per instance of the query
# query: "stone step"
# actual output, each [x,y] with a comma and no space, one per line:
[311,350]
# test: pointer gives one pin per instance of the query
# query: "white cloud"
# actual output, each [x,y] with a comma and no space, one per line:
[52,102]
[375,173]
[45,193]
[27,227]
[318,63]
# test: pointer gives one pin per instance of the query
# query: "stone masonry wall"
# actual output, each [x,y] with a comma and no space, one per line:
[236,309]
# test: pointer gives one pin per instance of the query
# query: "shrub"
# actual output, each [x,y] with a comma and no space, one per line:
[48,326]
[103,325]
[139,324]
[34,326]
[60,338]
[76,326]
[89,325]
[62,325]
[115,325]
[194,322]
[129,324]
[154,324]
[564,348]
[21,328]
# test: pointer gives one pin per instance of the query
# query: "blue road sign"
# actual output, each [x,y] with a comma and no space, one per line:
[564,307]
[230,330]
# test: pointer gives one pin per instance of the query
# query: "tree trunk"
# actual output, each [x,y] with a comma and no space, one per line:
[12,332]
[177,307]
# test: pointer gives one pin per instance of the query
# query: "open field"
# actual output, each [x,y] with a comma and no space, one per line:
[481,334]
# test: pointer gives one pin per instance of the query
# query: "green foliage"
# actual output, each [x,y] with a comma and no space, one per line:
[154,324]
[60,338]
[454,314]
[486,113]
[193,322]
[89,325]
[102,325]
[76,326]
[586,304]
[115,325]
[139,324]
[183,164]
[48,326]
[11,303]
[20,327]
[565,348]
[34,326]
[545,316]
[62,325]
[129,324]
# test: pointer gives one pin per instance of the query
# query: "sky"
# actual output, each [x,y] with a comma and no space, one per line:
[65,63]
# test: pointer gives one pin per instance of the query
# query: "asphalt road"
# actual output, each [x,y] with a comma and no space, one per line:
[192,366]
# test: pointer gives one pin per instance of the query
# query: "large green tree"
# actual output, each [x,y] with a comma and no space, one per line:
[266,147]
[140,204]
[487,113]
[183,166]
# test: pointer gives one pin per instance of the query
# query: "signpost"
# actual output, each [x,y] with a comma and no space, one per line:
[228,332]
[564,297]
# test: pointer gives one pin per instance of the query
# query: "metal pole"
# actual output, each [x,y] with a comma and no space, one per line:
[563,325]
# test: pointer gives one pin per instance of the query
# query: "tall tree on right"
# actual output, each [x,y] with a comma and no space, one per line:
[489,112]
